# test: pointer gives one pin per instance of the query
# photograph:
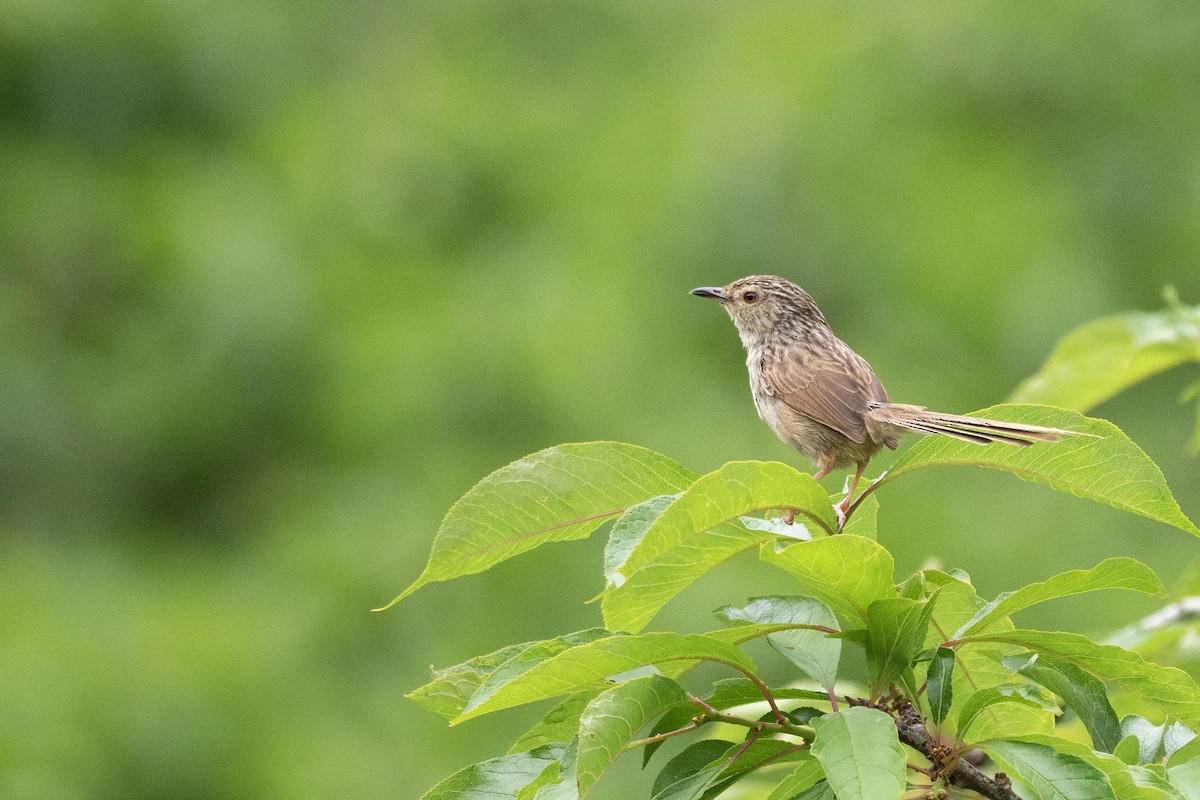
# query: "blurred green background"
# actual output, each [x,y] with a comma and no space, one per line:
[279,281]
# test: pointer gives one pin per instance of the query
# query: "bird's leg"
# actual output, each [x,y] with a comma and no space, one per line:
[841,508]
[790,513]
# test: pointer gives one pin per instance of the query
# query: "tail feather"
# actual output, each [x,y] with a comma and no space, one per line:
[970,429]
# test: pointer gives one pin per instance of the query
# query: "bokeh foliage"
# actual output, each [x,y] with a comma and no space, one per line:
[282,280]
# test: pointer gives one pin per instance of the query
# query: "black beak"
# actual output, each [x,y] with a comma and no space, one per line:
[715,292]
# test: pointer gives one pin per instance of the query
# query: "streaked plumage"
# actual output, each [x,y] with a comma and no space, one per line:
[824,399]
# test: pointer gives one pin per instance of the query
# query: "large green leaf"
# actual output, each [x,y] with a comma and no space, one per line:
[627,531]
[985,699]
[611,720]
[725,694]
[811,650]
[447,694]
[557,781]
[1186,778]
[940,684]
[580,666]
[561,723]
[1156,743]
[496,777]
[555,495]
[1169,689]
[452,688]
[1106,467]
[865,520]
[690,773]
[803,777]
[1051,775]
[861,754]
[1112,573]
[707,768]
[1079,690]
[1128,782]
[1105,356]
[631,605]
[845,572]
[700,530]
[978,668]
[896,629]
[739,487]
[819,791]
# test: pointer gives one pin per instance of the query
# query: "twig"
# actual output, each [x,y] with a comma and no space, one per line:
[691,726]
[912,732]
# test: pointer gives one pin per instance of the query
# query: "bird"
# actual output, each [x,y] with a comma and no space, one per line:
[821,397]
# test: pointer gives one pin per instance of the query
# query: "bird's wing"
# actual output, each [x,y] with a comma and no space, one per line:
[832,387]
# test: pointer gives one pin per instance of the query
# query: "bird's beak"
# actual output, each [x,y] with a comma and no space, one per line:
[715,292]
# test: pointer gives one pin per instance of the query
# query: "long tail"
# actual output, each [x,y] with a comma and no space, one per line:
[969,429]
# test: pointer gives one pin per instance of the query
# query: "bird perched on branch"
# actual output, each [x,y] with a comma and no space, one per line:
[823,398]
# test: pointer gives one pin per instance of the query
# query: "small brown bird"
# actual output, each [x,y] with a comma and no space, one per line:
[823,398]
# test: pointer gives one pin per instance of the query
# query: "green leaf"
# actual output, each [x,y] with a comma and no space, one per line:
[737,488]
[1112,573]
[861,754]
[447,694]
[580,666]
[846,573]
[1103,357]
[561,723]
[1183,748]
[689,776]
[803,777]
[1175,738]
[611,720]
[1080,691]
[864,521]
[1148,736]
[627,531]
[557,781]
[692,771]
[810,650]
[529,657]
[977,668]
[451,688]
[733,692]
[631,605]
[940,683]
[983,700]
[555,495]
[1156,743]
[701,529]
[496,777]
[896,631]
[1106,467]
[1186,778]
[752,756]
[820,791]
[1169,689]
[1128,782]
[725,694]
[1051,775]
[1128,749]
[552,783]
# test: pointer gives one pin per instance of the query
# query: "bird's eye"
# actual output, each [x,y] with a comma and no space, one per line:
[750,297]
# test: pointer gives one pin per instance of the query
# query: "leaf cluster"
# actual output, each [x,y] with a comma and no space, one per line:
[957,699]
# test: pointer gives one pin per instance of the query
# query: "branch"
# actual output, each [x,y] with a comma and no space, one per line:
[912,732]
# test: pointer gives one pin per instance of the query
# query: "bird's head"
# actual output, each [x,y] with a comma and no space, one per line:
[764,305]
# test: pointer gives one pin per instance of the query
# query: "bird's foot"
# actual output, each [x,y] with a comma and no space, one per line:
[789,516]
[840,510]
